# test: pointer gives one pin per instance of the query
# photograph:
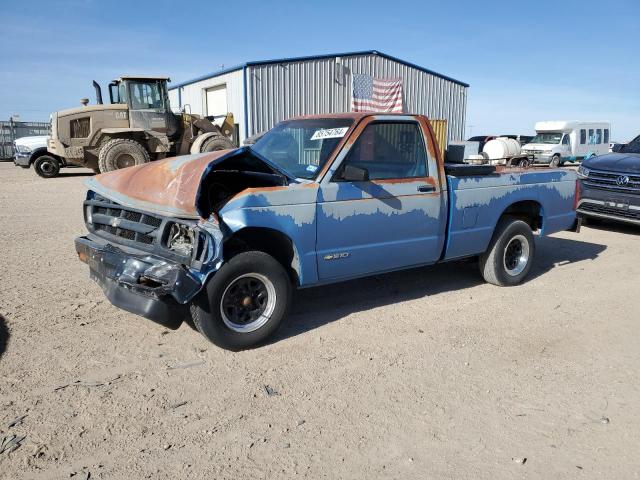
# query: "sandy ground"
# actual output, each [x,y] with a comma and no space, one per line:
[428,373]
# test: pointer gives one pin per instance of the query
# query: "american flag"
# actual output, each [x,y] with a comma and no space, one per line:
[376,94]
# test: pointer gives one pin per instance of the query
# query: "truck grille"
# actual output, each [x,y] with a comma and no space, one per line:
[610,181]
[610,211]
[80,127]
[110,220]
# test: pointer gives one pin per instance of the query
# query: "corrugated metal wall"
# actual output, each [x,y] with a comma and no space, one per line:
[283,90]
[195,96]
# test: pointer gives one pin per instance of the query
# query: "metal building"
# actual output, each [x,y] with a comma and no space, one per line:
[260,94]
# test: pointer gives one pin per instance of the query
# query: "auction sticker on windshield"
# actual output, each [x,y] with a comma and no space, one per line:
[329,133]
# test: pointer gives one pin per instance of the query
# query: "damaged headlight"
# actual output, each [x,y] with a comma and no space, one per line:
[181,239]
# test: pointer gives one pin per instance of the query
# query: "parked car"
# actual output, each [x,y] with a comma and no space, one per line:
[610,185]
[226,237]
[481,139]
[616,146]
[559,142]
[33,151]
[522,139]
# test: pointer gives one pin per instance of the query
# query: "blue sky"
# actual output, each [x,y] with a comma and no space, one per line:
[525,61]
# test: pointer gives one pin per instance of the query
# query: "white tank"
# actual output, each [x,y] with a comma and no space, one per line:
[501,147]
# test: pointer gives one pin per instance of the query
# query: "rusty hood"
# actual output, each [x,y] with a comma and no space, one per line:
[168,187]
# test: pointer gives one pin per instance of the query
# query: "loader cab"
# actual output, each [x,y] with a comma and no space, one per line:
[148,103]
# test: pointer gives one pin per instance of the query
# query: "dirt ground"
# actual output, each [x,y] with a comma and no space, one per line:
[428,373]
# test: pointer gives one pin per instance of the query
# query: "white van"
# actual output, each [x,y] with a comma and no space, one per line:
[557,142]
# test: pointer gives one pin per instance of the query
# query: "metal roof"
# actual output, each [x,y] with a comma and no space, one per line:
[315,57]
[141,77]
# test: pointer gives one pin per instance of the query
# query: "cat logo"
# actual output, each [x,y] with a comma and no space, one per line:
[336,256]
[121,115]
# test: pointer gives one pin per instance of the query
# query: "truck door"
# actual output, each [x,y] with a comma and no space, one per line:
[395,218]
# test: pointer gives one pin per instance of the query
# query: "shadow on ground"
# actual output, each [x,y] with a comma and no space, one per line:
[611,226]
[82,173]
[318,306]
[4,335]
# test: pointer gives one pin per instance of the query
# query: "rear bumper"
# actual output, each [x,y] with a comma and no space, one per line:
[138,283]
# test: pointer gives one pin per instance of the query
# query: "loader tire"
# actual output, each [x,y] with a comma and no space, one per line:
[216,143]
[121,153]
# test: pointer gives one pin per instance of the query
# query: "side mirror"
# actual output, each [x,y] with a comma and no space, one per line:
[351,173]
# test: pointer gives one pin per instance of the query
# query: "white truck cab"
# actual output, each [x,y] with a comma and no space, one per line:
[557,142]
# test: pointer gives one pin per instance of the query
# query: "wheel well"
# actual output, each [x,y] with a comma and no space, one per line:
[135,136]
[39,153]
[528,211]
[269,241]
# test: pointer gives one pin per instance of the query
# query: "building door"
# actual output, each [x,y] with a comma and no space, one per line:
[216,102]
[392,220]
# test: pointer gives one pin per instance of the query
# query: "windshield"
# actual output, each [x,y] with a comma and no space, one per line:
[302,147]
[632,147]
[145,95]
[550,137]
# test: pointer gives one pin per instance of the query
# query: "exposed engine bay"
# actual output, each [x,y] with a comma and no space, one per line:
[231,176]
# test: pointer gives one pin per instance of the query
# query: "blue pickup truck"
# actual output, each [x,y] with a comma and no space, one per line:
[224,238]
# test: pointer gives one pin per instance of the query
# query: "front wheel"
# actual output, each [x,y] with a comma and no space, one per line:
[216,143]
[121,153]
[244,303]
[510,255]
[555,161]
[47,166]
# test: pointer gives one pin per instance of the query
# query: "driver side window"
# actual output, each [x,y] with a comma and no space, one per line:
[389,150]
[566,140]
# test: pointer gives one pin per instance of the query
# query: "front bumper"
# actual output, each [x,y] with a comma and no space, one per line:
[608,204]
[156,289]
[539,157]
[22,159]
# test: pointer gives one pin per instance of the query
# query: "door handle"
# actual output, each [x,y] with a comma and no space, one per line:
[426,188]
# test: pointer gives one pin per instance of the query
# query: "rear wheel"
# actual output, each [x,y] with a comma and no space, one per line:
[244,303]
[47,166]
[509,257]
[121,153]
[216,143]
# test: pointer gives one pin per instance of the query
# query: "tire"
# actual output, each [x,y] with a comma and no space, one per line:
[524,163]
[243,303]
[216,143]
[47,166]
[501,264]
[121,153]
[555,161]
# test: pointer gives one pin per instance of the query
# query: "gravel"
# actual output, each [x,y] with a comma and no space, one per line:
[428,373]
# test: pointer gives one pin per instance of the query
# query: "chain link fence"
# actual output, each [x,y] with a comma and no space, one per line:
[10,130]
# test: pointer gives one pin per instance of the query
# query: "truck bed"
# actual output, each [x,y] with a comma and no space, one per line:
[476,203]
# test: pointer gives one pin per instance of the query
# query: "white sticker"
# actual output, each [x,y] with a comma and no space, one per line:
[312,168]
[329,133]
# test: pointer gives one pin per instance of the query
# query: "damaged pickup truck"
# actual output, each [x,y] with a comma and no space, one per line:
[226,237]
